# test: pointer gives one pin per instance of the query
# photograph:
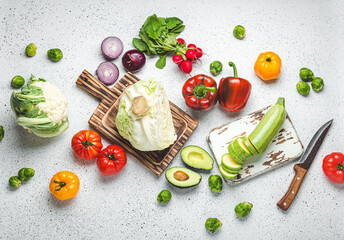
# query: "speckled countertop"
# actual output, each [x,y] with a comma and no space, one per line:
[307,34]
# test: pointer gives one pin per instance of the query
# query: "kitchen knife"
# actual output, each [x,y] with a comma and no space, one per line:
[302,167]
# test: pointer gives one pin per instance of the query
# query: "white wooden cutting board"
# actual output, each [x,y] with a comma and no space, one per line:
[284,148]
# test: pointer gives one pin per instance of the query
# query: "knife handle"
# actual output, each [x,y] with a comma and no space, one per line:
[289,196]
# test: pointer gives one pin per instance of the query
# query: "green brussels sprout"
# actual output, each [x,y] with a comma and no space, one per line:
[303,88]
[55,54]
[243,209]
[215,67]
[306,75]
[26,174]
[2,132]
[213,224]
[17,81]
[164,196]
[215,183]
[14,182]
[31,50]
[317,84]
[239,32]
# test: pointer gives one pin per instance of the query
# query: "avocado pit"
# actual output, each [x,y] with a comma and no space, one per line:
[181,176]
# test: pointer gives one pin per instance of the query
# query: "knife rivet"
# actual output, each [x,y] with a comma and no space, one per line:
[292,192]
[298,178]
[284,204]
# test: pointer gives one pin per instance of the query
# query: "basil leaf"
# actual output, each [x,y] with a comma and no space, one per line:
[161,63]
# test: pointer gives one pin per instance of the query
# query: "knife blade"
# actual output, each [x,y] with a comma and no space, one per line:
[302,167]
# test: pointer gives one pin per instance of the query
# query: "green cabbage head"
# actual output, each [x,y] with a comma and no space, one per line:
[153,129]
[41,108]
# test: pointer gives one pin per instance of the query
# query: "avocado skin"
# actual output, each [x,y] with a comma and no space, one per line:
[181,169]
[193,148]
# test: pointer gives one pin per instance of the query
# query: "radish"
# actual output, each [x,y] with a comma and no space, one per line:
[190,54]
[181,41]
[199,53]
[177,59]
[191,45]
[186,66]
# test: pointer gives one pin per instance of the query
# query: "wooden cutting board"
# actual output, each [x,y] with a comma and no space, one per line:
[103,120]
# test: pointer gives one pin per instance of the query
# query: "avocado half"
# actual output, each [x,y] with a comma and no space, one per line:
[197,157]
[182,177]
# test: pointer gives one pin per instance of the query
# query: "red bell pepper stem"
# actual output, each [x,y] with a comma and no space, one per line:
[231,64]
[201,91]
[340,166]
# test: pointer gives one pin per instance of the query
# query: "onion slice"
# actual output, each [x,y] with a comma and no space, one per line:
[112,47]
[107,72]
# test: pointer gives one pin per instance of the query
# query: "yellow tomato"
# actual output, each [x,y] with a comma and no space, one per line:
[64,185]
[268,66]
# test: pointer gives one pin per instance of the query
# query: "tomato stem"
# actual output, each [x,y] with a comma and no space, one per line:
[60,185]
[86,143]
[111,157]
[231,64]
[340,166]
[268,59]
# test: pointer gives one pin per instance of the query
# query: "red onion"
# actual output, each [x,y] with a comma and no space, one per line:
[133,60]
[107,72]
[112,47]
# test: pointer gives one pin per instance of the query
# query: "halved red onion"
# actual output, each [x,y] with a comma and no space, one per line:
[107,72]
[112,47]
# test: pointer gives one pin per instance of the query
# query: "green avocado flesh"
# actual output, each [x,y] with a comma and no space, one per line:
[226,174]
[229,163]
[249,145]
[182,177]
[197,157]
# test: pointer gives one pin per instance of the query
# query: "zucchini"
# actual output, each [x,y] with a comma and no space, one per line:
[268,127]
[239,149]
[227,175]
[229,163]
[230,171]
[249,145]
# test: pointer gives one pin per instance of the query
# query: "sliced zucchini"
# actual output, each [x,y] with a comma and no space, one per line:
[232,152]
[230,171]
[227,175]
[240,150]
[249,145]
[229,163]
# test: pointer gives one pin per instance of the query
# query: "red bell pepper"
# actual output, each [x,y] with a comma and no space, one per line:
[234,91]
[200,92]
[333,167]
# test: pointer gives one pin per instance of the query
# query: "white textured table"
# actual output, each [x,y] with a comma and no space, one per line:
[307,34]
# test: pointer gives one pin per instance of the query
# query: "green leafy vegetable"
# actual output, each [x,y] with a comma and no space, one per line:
[17,81]
[243,209]
[40,108]
[14,182]
[26,174]
[303,88]
[215,183]
[55,54]
[164,196]
[158,37]
[239,32]
[215,67]
[31,50]
[2,132]
[306,75]
[317,84]
[213,224]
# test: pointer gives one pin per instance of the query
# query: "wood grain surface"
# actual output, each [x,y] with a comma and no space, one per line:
[103,121]
[294,187]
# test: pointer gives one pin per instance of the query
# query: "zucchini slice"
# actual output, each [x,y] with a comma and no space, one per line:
[239,150]
[227,175]
[228,170]
[249,145]
[229,163]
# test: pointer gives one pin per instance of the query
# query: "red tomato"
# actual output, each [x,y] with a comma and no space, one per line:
[111,160]
[333,166]
[86,144]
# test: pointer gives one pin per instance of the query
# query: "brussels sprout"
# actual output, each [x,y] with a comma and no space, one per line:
[306,75]
[14,182]
[243,209]
[31,50]
[215,183]
[213,224]
[164,196]
[17,81]
[2,132]
[55,54]
[239,32]
[26,174]
[215,67]
[303,88]
[317,84]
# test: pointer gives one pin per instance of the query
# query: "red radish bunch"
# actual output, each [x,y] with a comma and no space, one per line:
[185,60]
